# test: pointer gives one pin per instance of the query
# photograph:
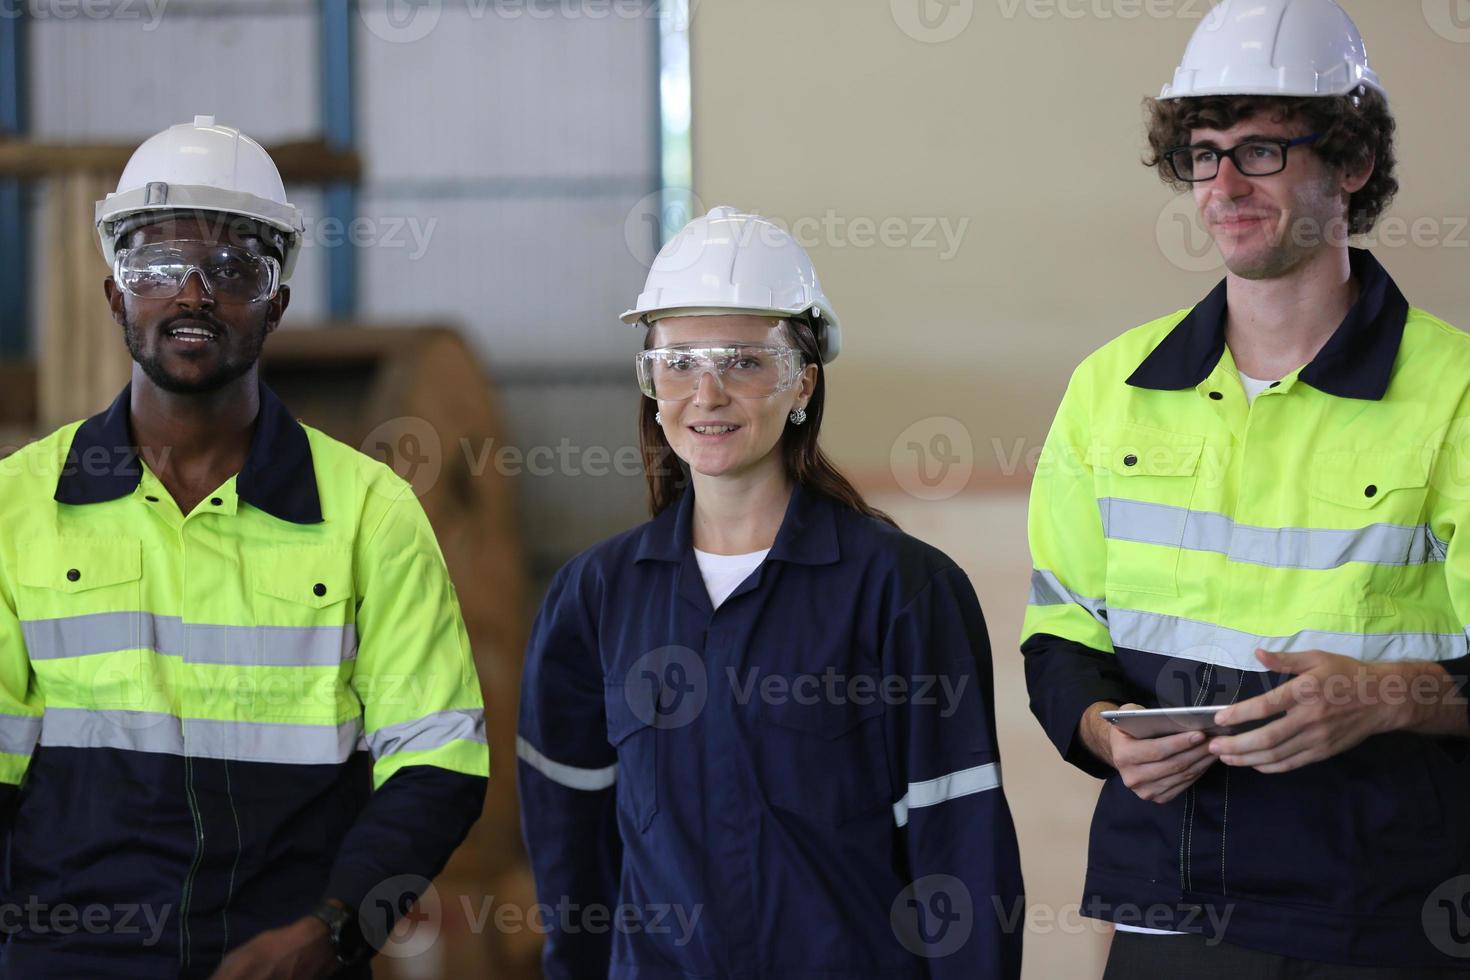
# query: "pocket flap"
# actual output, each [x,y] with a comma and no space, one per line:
[77,564]
[1141,450]
[312,576]
[828,718]
[1364,480]
[622,720]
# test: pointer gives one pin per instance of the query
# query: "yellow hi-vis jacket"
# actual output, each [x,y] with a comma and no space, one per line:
[222,717]
[1175,528]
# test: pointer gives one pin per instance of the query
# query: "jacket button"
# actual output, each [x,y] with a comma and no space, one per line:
[216,501]
[72,575]
[151,499]
[319,589]
[1130,460]
[1275,384]
[1370,491]
[1216,395]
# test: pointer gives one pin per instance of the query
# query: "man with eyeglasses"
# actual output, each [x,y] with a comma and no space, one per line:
[1254,504]
[240,724]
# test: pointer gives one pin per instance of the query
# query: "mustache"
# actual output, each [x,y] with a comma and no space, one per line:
[214,323]
[1217,215]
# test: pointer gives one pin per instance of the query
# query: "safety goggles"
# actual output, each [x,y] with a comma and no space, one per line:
[743,370]
[230,273]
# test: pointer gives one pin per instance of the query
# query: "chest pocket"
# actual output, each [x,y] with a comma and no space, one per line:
[1369,509]
[304,605]
[64,577]
[636,742]
[825,760]
[80,603]
[1145,481]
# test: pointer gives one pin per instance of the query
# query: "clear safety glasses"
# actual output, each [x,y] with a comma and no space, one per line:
[230,273]
[744,370]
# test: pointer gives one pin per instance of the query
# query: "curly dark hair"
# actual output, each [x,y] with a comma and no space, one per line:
[1356,130]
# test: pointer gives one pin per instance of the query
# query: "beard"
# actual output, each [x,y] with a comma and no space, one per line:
[231,366]
[1315,219]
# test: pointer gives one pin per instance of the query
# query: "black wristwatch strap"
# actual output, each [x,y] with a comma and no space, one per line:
[344,932]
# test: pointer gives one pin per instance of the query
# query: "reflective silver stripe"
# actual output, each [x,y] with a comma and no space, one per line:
[963,783]
[1276,547]
[1048,590]
[429,732]
[1188,639]
[242,646]
[237,741]
[271,742]
[569,776]
[18,733]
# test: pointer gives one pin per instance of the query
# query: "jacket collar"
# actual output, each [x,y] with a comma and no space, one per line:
[1356,362]
[808,534]
[278,476]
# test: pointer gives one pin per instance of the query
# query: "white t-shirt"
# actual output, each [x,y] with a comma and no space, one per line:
[1253,386]
[724,573]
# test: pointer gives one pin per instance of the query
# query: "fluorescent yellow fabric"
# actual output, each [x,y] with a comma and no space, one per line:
[1192,524]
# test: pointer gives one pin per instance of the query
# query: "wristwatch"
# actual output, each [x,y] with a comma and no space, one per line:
[344,932]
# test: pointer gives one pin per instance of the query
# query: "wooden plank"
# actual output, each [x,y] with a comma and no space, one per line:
[17,395]
[309,162]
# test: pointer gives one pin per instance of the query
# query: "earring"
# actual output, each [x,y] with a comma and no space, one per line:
[658,417]
[798,416]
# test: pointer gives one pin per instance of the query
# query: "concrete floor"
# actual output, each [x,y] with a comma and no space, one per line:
[1051,801]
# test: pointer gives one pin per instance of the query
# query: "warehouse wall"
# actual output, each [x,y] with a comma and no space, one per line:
[966,174]
[506,150]
[1020,122]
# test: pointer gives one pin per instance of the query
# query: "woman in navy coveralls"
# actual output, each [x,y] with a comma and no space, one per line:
[757,736]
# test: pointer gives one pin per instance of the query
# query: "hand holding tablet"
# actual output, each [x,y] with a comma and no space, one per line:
[1159,722]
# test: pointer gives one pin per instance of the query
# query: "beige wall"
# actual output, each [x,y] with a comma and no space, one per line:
[1028,126]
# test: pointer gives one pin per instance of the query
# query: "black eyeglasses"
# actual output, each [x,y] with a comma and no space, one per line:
[1259,157]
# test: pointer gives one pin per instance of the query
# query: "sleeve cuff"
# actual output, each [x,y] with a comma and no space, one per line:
[1065,678]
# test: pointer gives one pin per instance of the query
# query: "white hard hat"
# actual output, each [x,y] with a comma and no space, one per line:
[1274,47]
[731,262]
[199,166]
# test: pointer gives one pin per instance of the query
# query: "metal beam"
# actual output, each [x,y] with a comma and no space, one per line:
[339,129]
[15,307]
[673,97]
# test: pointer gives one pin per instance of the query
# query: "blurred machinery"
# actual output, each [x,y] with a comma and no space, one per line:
[416,399]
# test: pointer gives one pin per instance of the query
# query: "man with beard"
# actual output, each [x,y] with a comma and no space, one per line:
[240,725]
[1255,504]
